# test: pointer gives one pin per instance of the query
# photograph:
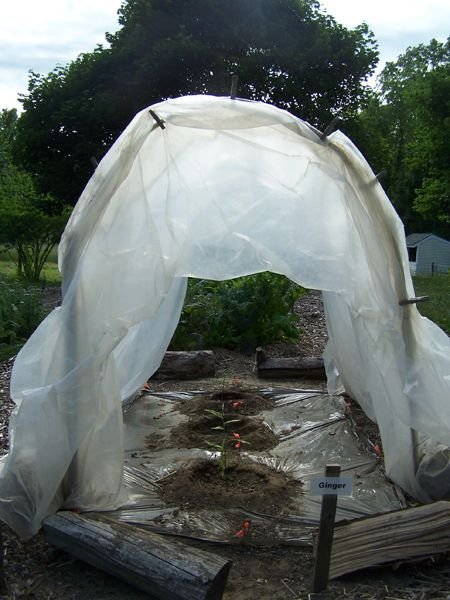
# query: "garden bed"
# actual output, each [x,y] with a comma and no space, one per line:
[35,570]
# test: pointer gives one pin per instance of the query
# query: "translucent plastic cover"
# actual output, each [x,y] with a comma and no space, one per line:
[226,188]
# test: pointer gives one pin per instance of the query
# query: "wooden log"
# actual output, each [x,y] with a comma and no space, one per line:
[298,368]
[407,534]
[163,567]
[187,365]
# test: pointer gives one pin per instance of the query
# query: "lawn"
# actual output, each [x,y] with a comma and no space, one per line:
[50,273]
[438,306]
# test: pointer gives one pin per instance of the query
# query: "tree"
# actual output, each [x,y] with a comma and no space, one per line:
[405,131]
[26,224]
[30,223]
[286,52]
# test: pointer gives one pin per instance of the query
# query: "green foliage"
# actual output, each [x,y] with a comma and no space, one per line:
[227,438]
[8,267]
[31,233]
[433,199]
[438,289]
[286,52]
[20,313]
[240,313]
[405,131]
[30,223]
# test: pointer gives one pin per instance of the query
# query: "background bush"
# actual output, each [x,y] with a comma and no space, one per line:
[240,314]
[20,313]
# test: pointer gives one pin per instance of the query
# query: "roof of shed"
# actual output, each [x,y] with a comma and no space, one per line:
[415,238]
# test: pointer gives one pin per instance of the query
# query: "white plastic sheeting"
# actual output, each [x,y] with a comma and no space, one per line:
[227,188]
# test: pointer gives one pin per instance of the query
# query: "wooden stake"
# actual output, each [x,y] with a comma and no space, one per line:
[234,86]
[326,531]
[331,127]
[158,119]
[414,300]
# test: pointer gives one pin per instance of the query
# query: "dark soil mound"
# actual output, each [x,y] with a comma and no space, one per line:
[234,401]
[247,485]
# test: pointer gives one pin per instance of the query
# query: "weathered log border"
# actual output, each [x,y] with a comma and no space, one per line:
[165,568]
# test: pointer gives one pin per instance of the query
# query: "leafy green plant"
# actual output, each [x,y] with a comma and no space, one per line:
[30,234]
[227,438]
[31,222]
[241,313]
[49,275]
[20,313]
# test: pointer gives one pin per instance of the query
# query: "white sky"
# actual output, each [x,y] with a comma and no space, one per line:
[38,35]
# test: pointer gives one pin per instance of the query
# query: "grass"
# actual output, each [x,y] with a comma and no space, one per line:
[438,307]
[49,275]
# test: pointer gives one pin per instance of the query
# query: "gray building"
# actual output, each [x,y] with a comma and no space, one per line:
[428,254]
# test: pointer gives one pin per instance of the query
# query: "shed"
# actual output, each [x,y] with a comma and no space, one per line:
[428,253]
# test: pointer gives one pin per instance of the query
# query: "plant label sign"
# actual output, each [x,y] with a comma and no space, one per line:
[327,486]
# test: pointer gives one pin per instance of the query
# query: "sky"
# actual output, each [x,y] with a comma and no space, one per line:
[39,35]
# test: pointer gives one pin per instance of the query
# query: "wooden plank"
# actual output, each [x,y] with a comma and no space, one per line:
[325,536]
[282,367]
[163,567]
[186,365]
[406,534]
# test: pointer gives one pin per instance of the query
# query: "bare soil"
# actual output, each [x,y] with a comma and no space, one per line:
[35,570]
[219,422]
[245,485]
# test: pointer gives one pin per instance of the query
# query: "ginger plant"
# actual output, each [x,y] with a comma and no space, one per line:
[228,438]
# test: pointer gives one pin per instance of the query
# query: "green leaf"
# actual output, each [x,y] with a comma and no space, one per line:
[214,413]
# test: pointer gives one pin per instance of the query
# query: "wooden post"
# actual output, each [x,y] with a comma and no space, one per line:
[326,531]
[407,301]
[234,86]
[158,119]
[331,127]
